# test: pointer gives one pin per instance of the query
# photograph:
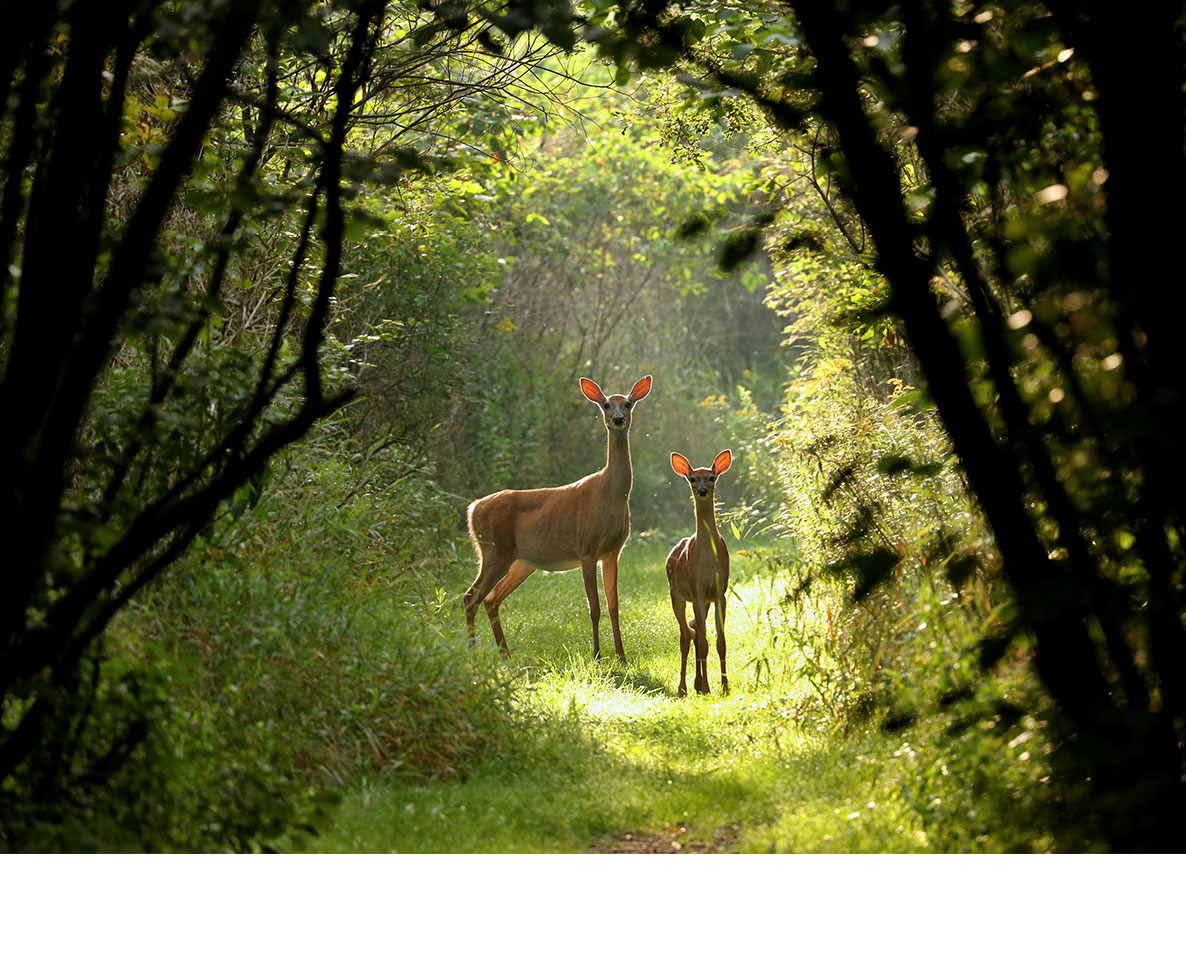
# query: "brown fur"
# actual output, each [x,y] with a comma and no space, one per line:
[517,531]
[698,573]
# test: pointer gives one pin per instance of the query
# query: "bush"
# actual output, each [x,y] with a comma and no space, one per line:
[298,647]
[321,616]
[887,609]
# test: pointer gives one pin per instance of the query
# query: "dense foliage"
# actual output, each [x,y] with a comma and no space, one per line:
[181,185]
[991,157]
[287,284]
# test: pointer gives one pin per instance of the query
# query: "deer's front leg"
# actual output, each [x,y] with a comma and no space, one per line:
[589,572]
[609,579]
[700,610]
[680,608]
[720,618]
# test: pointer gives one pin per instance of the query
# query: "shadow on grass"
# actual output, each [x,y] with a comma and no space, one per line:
[609,673]
[631,678]
[562,790]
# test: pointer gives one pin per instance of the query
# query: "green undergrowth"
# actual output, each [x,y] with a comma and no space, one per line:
[301,646]
[314,692]
[599,750]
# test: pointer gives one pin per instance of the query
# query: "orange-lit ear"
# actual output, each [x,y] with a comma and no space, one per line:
[680,465]
[641,389]
[591,391]
[722,461]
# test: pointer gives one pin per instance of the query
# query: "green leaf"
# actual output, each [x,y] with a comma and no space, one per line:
[869,570]
[737,248]
[894,464]
[355,230]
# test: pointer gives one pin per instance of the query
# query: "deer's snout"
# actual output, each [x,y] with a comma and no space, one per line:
[702,490]
[619,420]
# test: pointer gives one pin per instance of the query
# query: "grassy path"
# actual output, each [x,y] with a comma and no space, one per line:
[608,759]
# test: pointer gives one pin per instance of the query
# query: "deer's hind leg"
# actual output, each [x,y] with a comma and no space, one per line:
[492,566]
[518,572]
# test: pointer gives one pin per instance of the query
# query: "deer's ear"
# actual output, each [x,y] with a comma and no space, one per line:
[722,461]
[591,391]
[680,465]
[641,389]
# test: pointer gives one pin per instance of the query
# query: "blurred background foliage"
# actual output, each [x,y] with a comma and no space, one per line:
[517,210]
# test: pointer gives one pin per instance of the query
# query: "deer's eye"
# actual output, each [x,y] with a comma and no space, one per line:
[626,406]
[606,405]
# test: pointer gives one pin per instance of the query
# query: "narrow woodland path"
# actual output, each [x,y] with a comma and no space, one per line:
[610,760]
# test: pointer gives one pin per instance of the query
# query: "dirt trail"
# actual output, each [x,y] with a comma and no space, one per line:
[668,842]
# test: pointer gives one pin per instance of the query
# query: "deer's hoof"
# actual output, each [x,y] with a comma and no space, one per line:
[682,692]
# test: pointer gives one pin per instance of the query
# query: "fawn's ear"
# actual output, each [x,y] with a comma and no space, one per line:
[680,465]
[591,391]
[641,389]
[722,461]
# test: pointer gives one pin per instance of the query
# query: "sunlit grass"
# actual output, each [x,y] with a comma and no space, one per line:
[605,748]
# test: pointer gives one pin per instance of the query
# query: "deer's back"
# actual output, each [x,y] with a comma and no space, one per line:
[551,528]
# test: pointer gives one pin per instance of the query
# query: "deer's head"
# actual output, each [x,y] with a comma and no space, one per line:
[617,408]
[702,480]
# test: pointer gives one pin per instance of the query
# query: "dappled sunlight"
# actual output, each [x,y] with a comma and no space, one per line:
[624,706]
[603,748]
[635,706]
[547,624]
[360,288]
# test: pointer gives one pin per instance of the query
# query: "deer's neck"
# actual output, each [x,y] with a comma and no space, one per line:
[706,527]
[618,475]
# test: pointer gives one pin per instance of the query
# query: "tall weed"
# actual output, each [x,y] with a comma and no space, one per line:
[304,638]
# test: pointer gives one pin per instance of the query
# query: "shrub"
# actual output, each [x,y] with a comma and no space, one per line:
[887,608]
[298,647]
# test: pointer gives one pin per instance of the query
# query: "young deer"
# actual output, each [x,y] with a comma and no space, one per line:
[517,531]
[698,572]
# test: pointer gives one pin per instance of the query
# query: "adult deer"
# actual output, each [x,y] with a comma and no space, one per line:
[698,573]
[517,531]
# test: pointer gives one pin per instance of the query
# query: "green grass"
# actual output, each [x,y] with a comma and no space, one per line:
[604,749]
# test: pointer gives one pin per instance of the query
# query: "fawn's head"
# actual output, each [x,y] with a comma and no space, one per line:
[616,409]
[702,480]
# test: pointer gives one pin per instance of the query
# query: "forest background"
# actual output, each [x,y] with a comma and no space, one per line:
[290,284]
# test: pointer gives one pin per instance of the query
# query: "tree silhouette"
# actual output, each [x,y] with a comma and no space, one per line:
[1106,623]
[90,519]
